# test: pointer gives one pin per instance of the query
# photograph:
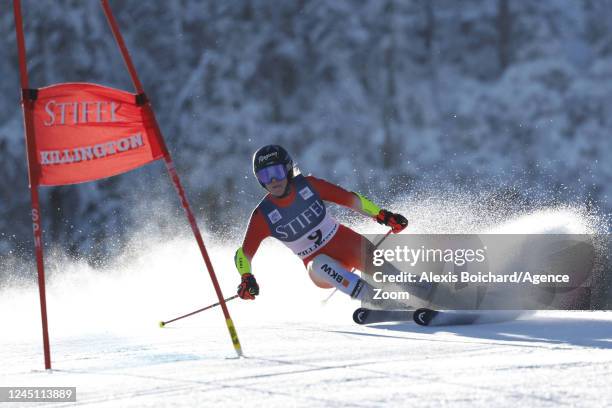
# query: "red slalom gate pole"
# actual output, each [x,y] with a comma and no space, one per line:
[173,174]
[108,12]
[27,103]
[198,236]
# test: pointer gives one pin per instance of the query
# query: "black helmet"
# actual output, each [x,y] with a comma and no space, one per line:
[271,155]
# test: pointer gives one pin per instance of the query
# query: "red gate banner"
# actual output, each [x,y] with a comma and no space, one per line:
[86,132]
[78,132]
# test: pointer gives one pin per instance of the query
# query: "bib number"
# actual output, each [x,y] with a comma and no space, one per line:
[316,236]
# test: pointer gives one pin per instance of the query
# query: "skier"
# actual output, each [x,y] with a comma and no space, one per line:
[294,212]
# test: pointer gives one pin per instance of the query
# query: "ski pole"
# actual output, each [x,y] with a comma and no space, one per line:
[162,324]
[383,238]
[324,301]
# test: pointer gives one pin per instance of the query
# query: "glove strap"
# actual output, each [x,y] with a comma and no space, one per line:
[383,217]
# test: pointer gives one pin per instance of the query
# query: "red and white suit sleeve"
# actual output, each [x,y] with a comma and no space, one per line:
[257,231]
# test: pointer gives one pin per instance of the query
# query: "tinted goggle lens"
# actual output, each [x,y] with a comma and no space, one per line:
[276,171]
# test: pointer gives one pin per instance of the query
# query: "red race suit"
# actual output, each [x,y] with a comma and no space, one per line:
[345,246]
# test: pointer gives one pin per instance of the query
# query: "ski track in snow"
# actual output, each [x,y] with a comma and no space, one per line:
[105,341]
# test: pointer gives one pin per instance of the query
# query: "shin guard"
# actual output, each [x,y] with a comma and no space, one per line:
[328,270]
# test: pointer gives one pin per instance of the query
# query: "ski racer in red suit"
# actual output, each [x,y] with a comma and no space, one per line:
[294,212]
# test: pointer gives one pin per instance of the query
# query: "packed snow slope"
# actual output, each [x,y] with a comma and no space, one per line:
[105,338]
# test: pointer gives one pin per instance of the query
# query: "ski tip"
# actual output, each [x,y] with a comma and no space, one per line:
[360,315]
[423,316]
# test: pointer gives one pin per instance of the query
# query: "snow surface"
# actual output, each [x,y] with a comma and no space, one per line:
[106,341]
[415,93]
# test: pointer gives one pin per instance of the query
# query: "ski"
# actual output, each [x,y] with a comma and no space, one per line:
[429,317]
[363,315]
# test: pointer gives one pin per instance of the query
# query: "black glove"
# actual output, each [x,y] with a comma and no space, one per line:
[397,222]
[248,287]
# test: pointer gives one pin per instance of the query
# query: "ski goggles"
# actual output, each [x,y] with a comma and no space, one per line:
[276,171]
